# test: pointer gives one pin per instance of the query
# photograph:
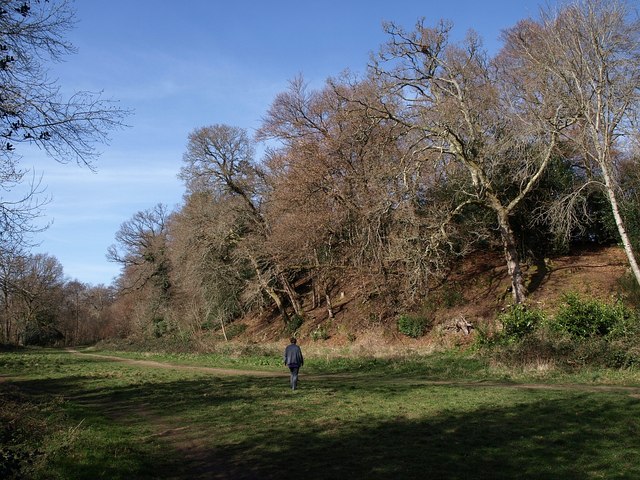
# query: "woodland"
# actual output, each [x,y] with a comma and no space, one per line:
[375,188]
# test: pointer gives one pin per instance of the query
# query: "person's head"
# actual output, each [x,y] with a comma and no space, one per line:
[294,340]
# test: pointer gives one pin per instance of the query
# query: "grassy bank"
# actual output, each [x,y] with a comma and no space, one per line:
[444,416]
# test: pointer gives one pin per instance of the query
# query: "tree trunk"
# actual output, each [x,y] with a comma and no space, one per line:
[329,306]
[224,331]
[270,291]
[315,295]
[511,256]
[622,231]
[291,293]
[7,317]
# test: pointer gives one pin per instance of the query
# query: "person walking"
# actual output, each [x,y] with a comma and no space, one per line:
[294,360]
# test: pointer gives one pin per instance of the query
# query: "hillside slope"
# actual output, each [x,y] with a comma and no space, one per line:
[477,290]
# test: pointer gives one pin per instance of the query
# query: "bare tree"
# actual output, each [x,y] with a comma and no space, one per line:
[75,291]
[32,109]
[85,312]
[454,98]
[589,51]
[141,249]
[345,184]
[219,160]
[208,275]
[11,262]
[38,297]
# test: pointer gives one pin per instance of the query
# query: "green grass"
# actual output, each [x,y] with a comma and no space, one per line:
[444,365]
[386,419]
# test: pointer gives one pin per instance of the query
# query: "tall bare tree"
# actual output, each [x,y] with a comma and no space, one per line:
[453,97]
[141,249]
[209,276]
[346,185]
[589,53]
[38,294]
[11,262]
[219,160]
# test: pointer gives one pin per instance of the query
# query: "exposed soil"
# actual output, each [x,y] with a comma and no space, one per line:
[477,289]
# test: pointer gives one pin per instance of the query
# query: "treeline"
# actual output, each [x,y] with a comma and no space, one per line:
[41,307]
[385,180]
[37,304]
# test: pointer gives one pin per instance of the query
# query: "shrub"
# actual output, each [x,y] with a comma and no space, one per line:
[412,325]
[320,333]
[630,289]
[519,321]
[452,297]
[623,356]
[234,329]
[588,317]
[30,431]
[447,297]
[484,336]
[295,322]
[160,326]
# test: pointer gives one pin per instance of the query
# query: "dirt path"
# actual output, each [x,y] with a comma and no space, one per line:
[154,364]
[191,441]
[632,391]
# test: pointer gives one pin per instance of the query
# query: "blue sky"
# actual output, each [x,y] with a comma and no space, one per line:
[183,65]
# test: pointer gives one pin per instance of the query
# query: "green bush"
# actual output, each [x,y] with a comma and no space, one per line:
[588,317]
[630,289]
[160,326]
[295,322]
[234,329]
[519,321]
[412,325]
[320,333]
[622,355]
[584,333]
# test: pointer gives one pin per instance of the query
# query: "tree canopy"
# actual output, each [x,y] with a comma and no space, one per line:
[382,181]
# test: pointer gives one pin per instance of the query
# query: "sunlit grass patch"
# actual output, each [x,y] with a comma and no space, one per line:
[391,418]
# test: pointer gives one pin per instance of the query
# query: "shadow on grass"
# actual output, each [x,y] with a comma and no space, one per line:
[270,433]
[569,438]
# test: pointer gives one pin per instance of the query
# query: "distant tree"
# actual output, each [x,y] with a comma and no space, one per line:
[11,262]
[38,298]
[84,312]
[74,293]
[99,301]
[588,52]
[33,110]
[141,249]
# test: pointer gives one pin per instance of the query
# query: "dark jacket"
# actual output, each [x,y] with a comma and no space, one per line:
[293,356]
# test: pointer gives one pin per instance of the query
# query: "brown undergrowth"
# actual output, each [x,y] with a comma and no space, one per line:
[477,289]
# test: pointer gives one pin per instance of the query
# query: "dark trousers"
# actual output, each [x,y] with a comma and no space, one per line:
[294,377]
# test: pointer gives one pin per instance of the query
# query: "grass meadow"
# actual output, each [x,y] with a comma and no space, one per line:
[449,416]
